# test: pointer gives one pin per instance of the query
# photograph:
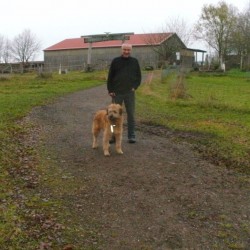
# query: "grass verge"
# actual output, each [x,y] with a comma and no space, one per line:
[215,106]
[26,218]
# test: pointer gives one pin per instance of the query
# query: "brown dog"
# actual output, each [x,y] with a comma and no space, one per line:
[111,122]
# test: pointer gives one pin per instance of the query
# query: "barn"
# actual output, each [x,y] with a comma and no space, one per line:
[152,50]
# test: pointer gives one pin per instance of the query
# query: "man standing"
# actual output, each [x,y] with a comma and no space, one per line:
[123,79]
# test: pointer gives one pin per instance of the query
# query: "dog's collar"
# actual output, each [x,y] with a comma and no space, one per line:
[112,128]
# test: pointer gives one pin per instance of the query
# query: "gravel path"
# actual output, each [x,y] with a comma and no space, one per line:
[158,195]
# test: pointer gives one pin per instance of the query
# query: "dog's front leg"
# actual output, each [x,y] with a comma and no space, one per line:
[106,137]
[95,144]
[95,133]
[118,144]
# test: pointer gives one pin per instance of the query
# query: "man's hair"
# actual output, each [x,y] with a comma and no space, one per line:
[126,45]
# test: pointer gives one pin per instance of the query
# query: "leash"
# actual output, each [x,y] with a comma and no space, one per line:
[113,100]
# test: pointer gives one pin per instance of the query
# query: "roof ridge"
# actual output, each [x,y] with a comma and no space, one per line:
[135,40]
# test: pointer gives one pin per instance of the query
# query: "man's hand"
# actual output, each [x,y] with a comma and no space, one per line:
[112,94]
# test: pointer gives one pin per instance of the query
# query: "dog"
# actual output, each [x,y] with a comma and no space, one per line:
[110,121]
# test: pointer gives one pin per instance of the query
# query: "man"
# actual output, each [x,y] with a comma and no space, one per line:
[123,79]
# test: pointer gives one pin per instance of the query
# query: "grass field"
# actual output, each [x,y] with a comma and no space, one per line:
[216,108]
[18,95]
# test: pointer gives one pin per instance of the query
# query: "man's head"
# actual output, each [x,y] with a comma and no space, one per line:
[126,49]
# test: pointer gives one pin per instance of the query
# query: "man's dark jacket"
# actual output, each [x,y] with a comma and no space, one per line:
[124,75]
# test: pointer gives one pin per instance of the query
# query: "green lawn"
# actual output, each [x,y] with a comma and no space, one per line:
[216,106]
[18,95]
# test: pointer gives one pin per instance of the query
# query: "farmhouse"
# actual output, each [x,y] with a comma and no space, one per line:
[152,50]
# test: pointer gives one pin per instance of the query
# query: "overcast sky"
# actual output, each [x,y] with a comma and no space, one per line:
[53,21]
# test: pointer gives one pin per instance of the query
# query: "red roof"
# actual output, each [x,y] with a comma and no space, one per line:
[135,40]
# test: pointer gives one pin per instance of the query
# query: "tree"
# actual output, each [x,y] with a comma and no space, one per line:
[241,36]
[181,28]
[6,51]
[1,46]
[215,27]
[174,35]
[165,45]
[25,46]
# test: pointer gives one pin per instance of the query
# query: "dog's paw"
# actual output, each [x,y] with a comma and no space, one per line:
[95,146]
[119,152]
[106,153]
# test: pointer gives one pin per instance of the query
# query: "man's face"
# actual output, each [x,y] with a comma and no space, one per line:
[126,51]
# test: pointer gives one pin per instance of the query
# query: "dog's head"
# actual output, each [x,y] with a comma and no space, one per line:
[114,111]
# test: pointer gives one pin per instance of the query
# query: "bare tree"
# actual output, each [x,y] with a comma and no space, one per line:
[1,47]
[7,54]
[215,27]
[173,36]
[25,46]
[165,45]
[241,36]
[181,28]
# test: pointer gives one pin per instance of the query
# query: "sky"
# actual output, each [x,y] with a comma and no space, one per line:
[53,21]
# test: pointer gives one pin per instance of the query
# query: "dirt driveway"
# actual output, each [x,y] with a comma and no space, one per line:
[159,195]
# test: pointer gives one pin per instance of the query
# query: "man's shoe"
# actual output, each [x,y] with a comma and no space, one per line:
[131,140]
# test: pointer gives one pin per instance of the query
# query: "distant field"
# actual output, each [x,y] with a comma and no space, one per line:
[19,93]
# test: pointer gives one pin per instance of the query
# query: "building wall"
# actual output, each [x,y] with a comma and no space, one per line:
[64,59]
[77,59]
